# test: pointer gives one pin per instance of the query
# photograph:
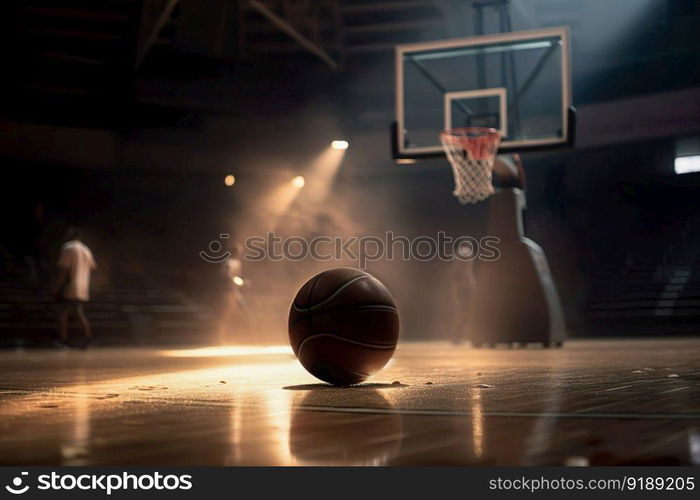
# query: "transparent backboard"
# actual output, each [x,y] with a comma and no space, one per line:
[518,83]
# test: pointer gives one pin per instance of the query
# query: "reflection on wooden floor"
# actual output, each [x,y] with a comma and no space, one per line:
[593,402]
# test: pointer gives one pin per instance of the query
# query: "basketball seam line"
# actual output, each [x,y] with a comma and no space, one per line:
[341,288]
[311,292]
[364,307]
[363,344]
[361,374]
[311,288]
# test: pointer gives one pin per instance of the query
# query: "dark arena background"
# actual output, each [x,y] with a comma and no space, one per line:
[182,138]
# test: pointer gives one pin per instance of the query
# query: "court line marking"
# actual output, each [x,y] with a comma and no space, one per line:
[464,413]
[125,398]
[617,388]
[676,389]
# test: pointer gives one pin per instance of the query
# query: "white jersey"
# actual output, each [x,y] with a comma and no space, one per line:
[232,267]
[77,259]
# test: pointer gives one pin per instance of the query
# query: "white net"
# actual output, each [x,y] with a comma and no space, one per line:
[471,153]
[472,179]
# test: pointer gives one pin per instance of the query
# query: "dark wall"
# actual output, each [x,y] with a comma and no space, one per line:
[156,198]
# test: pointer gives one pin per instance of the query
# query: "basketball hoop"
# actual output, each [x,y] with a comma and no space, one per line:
[471,152]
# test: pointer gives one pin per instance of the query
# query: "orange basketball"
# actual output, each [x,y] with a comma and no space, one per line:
[343,325]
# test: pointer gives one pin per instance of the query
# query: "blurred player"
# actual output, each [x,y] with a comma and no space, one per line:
[234,314]
[72,290]
[463,289]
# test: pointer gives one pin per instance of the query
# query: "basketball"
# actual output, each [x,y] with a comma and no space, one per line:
[343,326]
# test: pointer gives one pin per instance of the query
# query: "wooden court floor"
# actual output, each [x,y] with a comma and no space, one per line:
[602,402]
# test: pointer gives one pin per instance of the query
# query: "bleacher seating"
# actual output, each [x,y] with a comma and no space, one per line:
[133,315]
[657,288]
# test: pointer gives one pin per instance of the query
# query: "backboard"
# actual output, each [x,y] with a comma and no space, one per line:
[518,83]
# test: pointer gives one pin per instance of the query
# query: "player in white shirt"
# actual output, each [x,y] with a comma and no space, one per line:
[234,315]
[75,264]
[463,289]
